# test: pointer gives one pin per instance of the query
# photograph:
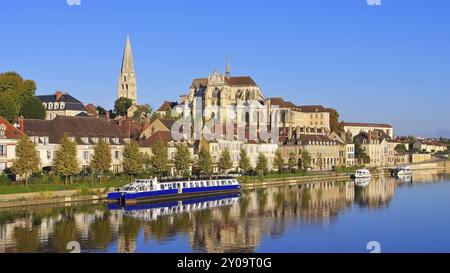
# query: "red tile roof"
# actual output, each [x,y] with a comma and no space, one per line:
[11,131]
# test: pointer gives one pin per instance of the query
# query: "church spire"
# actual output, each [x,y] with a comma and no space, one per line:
[227,69]
[127,61]
[127,79]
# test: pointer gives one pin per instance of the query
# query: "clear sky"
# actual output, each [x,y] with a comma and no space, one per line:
[388,63]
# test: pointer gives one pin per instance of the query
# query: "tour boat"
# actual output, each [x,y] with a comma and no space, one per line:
[152,189]
[362,182]
[362,173]
[152,211]
[402,171]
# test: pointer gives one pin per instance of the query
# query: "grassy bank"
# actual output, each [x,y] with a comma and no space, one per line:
[50,184]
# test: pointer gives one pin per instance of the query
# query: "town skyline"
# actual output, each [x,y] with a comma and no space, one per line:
[165,74]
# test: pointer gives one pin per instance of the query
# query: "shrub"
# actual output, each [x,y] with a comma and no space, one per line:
[4,179]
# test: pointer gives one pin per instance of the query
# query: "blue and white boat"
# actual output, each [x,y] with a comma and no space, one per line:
[152,189]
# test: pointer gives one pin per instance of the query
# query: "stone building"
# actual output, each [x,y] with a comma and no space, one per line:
[61,104]
[324,151]
[378,146]
[224,99]
[356,128]
[311,119]
[84,131]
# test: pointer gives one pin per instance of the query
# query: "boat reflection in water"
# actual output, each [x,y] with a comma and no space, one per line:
[151,211]
[405,179]
[362,182]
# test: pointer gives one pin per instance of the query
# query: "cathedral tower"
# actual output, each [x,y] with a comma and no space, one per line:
[127,79]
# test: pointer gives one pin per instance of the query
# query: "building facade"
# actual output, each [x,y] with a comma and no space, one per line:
[85,132]
[311,119]
[62,104]
[9,136]
[357,128]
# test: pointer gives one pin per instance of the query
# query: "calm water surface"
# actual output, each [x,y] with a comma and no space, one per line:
[402,215]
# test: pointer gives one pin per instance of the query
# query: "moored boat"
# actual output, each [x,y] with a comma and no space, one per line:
[403,171]
[362,173]
[152,189]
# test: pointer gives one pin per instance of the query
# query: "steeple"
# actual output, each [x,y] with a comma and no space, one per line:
[127,61]
[127,80]
[227,69]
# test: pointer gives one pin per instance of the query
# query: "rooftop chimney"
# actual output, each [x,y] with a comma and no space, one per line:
[21,126]
[58,95]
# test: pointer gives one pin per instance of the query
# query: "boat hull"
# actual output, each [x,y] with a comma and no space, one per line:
[131,198]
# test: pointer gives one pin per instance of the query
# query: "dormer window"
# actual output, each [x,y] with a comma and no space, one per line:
[106,140]
[2,130]
[50,106]
[62,105]
[56,106]
[45,105]
[115,140]
[95,140]
[85,140]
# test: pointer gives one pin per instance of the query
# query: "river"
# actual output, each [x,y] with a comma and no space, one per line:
[387,215]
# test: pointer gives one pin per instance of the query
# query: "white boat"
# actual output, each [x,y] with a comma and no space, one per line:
[402,171]
[362,173]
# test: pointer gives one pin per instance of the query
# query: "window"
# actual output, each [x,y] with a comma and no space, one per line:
[2,130]
[117,155]
[50,106]
[2,150]
[86,155]
[62,105]
[56,105]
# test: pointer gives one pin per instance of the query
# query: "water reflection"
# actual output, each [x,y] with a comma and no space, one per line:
[219,224]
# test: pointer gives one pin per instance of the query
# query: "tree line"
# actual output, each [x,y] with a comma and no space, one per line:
[136,162]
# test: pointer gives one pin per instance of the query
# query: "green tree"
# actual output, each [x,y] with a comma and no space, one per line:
[160,159]
[244,162]
[292,162]
[14,90]
[101,111]
[335,125]
[101,160]
[142,113]
[27,159]
[401,148]
[182,160]
[225,162]
[204,162]
[65,161]
[262,165]
[8,107]
[279,161]
[306,160]
[122,105]
[132,159]
[361,155]
[32,108]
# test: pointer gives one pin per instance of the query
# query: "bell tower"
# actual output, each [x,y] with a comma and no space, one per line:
[127,80]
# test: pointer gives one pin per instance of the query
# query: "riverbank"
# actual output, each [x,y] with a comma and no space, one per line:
[98,194]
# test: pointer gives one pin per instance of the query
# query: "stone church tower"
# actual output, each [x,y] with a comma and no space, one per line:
[127,79]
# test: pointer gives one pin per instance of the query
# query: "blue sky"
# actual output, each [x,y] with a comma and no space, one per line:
[388,63]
